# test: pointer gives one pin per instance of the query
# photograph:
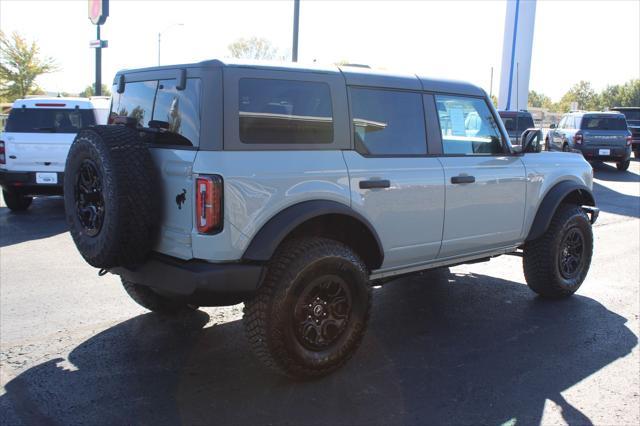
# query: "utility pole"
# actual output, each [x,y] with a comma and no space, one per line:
[296,20]
[98,88]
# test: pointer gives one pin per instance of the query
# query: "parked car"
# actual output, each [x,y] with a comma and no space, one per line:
[516,122]
[632,114]
[602,136]
[293,189]
[35,142]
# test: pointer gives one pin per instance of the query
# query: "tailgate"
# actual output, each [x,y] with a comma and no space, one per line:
[612,138]
[37,152]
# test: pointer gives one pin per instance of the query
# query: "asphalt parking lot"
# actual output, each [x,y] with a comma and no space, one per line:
[471,345]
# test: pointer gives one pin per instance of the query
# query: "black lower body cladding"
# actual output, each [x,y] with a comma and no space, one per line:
[111,196]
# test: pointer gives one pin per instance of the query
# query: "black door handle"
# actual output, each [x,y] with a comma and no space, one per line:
[376,183]
[463,179]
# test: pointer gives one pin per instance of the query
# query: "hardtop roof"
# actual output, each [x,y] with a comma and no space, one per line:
[354,75]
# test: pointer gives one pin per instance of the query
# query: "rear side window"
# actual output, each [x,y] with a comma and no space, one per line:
[48,120]
[178,111]
[467,126]
[603,123]
[285,111]
[136,101]
[387,122]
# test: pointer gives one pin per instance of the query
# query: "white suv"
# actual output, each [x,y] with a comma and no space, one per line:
[35,143]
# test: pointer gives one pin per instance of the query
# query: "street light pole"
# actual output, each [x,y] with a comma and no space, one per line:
[296,20]
[160,34]
[98,89]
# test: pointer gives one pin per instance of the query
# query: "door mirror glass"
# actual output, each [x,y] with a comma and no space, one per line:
[552,126]
[531,140]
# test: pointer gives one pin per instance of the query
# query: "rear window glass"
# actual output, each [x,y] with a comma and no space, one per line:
[136,101]
[48,120]
[518,123]
[285,111]
[603,123]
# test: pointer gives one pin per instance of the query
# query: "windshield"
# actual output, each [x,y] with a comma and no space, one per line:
[48,120]
[601,122]
[517,124]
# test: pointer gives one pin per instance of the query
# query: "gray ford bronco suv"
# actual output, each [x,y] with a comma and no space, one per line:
[294,189]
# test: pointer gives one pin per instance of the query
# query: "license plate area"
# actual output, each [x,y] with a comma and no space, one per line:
[604,152]
[46,178]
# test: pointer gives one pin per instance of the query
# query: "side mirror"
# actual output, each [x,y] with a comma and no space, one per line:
[531,140]
[552,126]
[120,88]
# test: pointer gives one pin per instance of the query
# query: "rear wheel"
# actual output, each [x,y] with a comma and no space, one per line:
[623,165]
[147,298]
[16,201]
[311,312]
[556,264]
[565,148]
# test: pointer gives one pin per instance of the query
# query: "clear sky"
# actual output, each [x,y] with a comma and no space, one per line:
[598,41]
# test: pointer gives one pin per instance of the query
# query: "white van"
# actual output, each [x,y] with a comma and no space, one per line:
[35,143]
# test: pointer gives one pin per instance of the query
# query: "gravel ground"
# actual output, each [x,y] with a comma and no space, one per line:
[469,345]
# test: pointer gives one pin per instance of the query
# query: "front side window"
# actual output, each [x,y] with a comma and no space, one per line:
[49,120]
[387,122]
[136,101]
[285,112]
[562,121]
[467,126]
[178,112]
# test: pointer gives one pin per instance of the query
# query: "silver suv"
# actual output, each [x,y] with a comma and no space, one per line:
[600,136]
[295,189]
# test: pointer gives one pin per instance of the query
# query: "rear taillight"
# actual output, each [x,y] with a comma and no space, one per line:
[628,140]
[3,158]
[208,204]
[578,138]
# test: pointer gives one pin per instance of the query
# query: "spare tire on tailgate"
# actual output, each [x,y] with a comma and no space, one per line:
[111,196]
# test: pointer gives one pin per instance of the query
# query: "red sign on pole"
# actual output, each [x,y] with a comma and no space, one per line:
[98,11]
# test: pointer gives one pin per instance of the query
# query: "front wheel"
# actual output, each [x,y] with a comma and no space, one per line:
[16,201]
[311,312]
[623,165]
[556,264]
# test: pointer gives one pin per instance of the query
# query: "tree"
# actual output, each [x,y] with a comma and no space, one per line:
[88,91]
[252,48]
[583,94]
[539,100]
[20,65]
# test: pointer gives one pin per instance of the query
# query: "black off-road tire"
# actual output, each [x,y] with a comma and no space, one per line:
[149,299]
[623,165]
[15,201]
[127,188]
[270,321]
[541,260]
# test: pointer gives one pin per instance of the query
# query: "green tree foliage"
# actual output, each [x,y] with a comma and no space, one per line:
[539,100]
[252,48]
[625,95]
[20,65]
[89,91]
[583,94]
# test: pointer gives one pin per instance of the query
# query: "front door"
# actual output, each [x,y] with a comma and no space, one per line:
[484,187]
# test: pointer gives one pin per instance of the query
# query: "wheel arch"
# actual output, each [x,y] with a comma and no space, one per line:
[319,218]
[565,192]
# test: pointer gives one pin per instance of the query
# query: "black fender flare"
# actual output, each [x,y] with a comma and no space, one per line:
[552,200]
[275,230]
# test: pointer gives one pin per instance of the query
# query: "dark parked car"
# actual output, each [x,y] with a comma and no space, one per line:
[632,115]
[516,122]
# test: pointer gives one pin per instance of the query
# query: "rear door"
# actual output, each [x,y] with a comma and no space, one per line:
[38,139]
[177,112]
[394,182]
[484,186]
[604,131]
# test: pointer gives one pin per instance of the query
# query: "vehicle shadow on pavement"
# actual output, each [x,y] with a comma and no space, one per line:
[441,348]
[45,218]
[609,173]
[615,202]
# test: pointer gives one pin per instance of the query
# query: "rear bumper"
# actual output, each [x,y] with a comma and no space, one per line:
[25,182]
[615,153]
[200,282]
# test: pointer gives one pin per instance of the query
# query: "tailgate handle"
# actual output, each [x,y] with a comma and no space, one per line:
[463,179]
[374,183]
